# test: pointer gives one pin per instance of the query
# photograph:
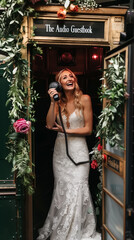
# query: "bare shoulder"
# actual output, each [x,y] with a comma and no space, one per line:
[85,99]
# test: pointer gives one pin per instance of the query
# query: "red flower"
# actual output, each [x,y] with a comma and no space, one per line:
[94,164]
[73,8]
[99,139]
[99,147]
[105,157]
[61,13]
[21,126]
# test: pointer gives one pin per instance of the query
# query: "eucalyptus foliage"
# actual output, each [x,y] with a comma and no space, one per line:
[16,72]
[111,118]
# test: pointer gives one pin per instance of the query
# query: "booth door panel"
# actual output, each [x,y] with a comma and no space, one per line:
[117,169]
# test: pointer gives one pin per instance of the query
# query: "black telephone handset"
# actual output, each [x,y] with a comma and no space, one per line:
[58,88]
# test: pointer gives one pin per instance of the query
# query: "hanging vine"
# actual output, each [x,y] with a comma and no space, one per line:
[83,4]
[111,118]
[21,110]
[111,122]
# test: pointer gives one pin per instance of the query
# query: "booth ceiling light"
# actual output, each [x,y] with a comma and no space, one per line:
[94,56]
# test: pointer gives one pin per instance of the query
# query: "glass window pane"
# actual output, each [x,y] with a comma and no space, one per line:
[107,236]
[114,217]
[116,150]
[114,184]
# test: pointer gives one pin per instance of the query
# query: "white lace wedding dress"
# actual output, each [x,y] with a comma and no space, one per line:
[71,215]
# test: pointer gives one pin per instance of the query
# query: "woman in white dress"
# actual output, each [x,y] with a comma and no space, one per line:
[71,215]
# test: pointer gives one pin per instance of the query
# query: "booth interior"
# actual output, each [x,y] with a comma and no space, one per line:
[87,63]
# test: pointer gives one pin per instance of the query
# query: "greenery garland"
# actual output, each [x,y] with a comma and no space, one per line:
[16,72]
[96,163]
[113,91]
[110,124]
[82,4]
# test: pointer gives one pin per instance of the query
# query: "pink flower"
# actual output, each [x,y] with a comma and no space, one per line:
[61,13]
[22,126]
[99,147]
[73,8]
[94,164]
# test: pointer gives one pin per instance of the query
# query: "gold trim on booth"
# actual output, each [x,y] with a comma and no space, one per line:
[70,40]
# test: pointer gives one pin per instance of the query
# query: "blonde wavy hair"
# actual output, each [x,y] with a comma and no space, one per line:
[77,93]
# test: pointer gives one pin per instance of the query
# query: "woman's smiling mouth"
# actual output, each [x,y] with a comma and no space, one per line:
[69,84]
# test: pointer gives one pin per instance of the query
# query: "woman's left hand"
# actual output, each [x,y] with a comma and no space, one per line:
[57,128]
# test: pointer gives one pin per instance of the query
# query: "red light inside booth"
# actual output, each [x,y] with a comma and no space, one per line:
[94,56]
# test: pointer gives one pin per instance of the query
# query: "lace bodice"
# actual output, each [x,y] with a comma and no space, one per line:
[76,144]
[76,120]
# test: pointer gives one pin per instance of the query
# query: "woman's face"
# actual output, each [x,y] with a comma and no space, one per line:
[67,80]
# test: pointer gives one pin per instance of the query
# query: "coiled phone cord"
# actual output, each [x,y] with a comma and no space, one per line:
[66,141]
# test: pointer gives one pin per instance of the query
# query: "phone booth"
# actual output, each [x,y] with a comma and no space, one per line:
[118,170]
[70,42]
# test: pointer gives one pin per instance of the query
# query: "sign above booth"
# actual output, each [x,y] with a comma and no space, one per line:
[68,28]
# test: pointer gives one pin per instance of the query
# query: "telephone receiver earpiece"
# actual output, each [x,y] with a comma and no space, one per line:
[58,88]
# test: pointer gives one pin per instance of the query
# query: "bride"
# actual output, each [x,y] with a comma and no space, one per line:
[71,215]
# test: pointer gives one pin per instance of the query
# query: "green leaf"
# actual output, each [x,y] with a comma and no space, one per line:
[21,13]
[13,21]
[13,136]
[97,210]
[118,81]
[104,124]
[113,109]
[15,70]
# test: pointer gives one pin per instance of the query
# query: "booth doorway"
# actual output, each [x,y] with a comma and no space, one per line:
[87,64]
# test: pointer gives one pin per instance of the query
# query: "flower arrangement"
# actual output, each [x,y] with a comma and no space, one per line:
[96,164]
[73,6]
[21,106]
[70,5]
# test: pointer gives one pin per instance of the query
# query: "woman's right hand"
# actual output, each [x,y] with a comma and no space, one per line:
[52,92]
[51,115]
